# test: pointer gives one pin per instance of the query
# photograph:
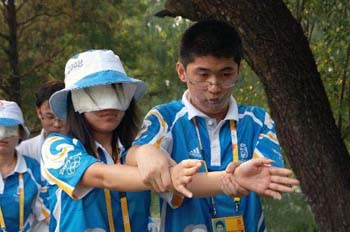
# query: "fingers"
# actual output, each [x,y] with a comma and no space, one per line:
[160,181]
[188,163]
[171,162]
[157,184]
[280,188]
[165,181]
[280,184]
[262,161]
[280,171]
[182,173]
[284,180]
[273,194]
[186,169]
[231,188]
[181,186]
[231,167]
[183,190]
[227,186]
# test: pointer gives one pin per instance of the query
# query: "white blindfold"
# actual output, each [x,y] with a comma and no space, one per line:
[116,96]
[8,131]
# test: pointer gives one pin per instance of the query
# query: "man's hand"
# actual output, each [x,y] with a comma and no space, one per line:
[230,185]
[154,167]
[181,175]
[258,176]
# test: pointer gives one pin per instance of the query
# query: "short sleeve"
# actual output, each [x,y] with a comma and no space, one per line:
[64,162]
[267,144]
[153,130]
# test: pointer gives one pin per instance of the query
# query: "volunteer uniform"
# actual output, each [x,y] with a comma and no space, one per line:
[22,196]
[85,209]
[186,133]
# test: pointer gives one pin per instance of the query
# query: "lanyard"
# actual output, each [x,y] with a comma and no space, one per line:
[108,200]
[235,157]
[21,206]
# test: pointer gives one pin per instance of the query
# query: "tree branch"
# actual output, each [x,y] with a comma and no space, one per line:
[4,36]
[6,50]
[23,23]
[48,60]
[29,19]
[21,5]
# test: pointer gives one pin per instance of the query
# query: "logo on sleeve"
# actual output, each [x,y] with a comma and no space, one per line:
[54,151]
[71,164]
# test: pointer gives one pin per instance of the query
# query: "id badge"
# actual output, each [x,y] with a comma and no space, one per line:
[228,224]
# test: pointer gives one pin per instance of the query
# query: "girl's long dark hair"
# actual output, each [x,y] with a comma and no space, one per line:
[79,128]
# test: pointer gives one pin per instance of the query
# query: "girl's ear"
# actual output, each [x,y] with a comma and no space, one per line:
[21,134]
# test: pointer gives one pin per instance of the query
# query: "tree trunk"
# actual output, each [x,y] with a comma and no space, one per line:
[11,82]
[14,78]
[277,50]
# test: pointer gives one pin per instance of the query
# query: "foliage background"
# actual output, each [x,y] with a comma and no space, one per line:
[49,32]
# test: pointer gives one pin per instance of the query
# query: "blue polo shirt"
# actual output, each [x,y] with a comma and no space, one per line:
[64,161]
[170,127]
[34,195]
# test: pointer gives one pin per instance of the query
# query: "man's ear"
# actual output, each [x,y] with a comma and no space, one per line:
[181,72]
[38,113]
[240,67]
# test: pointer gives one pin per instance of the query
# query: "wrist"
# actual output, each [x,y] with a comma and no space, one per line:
[233,168]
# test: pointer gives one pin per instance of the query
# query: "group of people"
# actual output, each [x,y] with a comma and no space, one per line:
[94,162]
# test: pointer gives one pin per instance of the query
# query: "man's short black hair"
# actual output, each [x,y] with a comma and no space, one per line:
[46,90]
[219,223]
[210,38]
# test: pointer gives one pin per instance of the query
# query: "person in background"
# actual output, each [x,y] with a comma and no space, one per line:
[49,122]
[22,190]
[207,124]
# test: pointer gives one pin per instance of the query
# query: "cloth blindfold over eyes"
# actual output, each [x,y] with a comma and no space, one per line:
[116,96]
[8,131]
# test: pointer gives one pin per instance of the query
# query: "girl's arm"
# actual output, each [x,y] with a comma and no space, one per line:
[117,177]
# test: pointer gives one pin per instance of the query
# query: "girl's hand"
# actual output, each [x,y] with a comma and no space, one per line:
[181,175]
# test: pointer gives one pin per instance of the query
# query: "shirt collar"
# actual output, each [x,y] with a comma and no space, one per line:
[232,113]
[108,156]
[21,166]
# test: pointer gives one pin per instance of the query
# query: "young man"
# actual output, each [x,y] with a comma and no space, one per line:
[49,122]
[209,125]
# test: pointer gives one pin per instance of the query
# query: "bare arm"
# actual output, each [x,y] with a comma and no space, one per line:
[187,181]
[117,177]
[254,175]
[206,184]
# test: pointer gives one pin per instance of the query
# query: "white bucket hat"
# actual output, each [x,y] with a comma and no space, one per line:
[11,115]
[92,68]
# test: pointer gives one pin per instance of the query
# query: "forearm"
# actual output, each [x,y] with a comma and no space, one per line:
[130,158]
[135,151]
[206,184]
[116,177]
